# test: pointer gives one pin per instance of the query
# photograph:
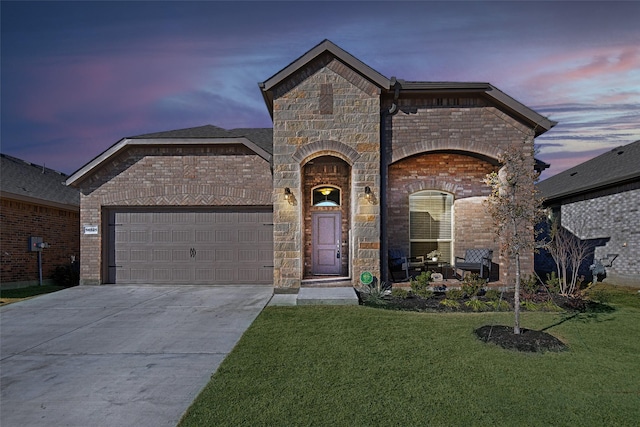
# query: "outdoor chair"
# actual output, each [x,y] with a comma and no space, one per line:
[476,260]
[399,262]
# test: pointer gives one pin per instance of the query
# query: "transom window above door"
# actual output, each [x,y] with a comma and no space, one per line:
[326,195]
[430,224]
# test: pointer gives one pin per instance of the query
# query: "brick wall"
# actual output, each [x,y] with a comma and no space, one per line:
[169,176]
[449,144]
[19,220]
[612,215]
[306,127]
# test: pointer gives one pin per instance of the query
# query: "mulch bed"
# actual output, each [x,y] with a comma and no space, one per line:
[527,341]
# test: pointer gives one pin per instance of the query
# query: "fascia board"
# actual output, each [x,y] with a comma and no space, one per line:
[521,110]
[37,201]
[130,142]
[339,53]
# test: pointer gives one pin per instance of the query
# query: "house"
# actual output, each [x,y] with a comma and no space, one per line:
[356,164]
[35,203]
[599,202]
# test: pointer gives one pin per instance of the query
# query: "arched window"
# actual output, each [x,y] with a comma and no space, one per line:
[430,224]
[326,195]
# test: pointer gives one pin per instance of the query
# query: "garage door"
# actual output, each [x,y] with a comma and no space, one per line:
[191,247]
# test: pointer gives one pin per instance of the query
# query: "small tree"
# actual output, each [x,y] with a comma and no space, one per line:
[515,206]
[568,251]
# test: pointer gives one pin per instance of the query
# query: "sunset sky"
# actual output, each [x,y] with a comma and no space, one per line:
[78,76]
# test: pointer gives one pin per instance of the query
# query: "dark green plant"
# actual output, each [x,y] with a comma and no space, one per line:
[477,305]
[451,303]
[399,293]
[529,286]
[455,294]
[421,282]
[424,293]
[530,305]
[66,275]
[499,305]
[374,293]
[549,305]
[472,284]
[493,294]
[553,283]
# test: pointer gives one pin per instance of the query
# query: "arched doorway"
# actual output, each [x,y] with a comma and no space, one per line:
[326,194]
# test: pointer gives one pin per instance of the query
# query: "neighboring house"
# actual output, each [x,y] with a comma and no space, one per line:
[599,202]
[35,203]
[356,164]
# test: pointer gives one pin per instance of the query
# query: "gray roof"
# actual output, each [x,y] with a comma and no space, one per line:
[37,184]
[620,165]
[259,140]
[262,137]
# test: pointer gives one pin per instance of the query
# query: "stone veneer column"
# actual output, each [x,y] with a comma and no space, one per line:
[351,131]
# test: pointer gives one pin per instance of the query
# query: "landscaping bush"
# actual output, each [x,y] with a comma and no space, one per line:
[472,285]
[67,275]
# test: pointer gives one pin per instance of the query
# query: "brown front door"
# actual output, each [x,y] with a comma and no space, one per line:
[326,256]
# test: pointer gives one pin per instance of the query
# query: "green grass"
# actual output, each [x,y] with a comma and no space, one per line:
[359,366]
[29,291]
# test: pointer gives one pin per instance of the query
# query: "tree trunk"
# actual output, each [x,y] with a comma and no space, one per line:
[516,298]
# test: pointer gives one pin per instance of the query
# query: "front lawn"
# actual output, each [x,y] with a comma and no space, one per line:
[12,295]
[361,366]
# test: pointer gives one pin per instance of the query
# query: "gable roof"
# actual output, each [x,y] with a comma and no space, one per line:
[258,140]
[538,122]
[32,183]
[615,167]
[324,46]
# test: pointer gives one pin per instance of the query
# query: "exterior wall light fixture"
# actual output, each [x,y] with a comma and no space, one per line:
[368,194]
[289,197]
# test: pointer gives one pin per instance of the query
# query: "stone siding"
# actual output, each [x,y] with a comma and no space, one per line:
[350,130]
[21,220]
[195,176]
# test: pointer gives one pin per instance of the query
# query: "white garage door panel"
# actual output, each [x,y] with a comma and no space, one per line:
[191,247]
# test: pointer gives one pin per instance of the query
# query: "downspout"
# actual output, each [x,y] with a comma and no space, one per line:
[384,172]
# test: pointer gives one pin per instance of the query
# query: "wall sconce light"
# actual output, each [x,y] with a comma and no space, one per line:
[289,197]
[368,194]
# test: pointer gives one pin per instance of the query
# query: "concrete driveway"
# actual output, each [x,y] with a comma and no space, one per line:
[117,355]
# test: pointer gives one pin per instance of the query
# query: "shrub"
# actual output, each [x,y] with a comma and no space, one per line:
[549,305]
[477,305]
[553,283]
[472,284]
[455,294]
[530,305]
[425,293]
[451,303]
[499,305]
[66,275]
[529,286]
[399,293]
[374,293]
[493,294]
[422,282]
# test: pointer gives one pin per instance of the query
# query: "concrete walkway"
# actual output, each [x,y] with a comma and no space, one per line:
[117,355]
[317,296]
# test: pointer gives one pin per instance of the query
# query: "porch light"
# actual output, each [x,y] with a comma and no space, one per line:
[368,194]
[288,196]
[325,191]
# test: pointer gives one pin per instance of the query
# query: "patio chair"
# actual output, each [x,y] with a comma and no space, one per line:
[476,260]
[399,262]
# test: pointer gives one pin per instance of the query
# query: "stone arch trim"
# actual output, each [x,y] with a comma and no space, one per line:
[492,152]
[326,147]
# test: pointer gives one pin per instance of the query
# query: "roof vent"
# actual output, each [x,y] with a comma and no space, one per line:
[573,173]
[620,152]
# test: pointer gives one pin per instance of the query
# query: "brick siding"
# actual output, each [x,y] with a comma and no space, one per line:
[169,176]
[21,220]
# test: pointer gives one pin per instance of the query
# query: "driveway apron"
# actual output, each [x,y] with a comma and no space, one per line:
[117,355]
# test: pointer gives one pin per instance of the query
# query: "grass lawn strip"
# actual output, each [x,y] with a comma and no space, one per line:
[361,366]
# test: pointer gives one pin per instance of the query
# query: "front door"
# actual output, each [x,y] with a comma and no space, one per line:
[326,256]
